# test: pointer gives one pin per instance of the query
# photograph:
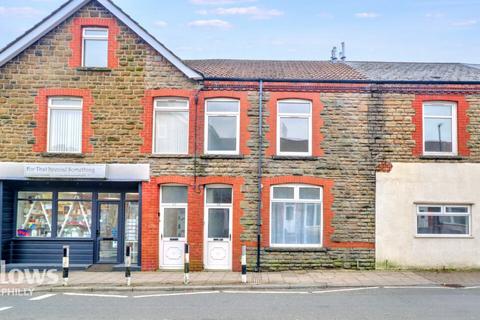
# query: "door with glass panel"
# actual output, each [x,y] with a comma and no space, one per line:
[218,228]
[107,232]
[173,226]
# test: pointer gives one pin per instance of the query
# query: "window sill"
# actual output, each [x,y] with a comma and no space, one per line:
[171,156]
[63,155]
[441,157]
[285,249]
[95,69]
[443,237]
[221,156]
[304,158]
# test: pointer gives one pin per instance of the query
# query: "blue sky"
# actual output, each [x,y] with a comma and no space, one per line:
[375,30]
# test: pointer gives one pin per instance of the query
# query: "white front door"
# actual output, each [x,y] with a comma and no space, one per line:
[218,230]
[173,230]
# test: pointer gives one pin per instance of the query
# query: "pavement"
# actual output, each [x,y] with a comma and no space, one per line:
[173,281]
[362,303]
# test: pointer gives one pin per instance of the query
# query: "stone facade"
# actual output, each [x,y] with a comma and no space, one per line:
[360,129]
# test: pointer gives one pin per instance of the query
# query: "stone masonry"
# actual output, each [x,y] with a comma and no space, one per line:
[359,129]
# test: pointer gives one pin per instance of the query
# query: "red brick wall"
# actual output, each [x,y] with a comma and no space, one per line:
[328,213]
[195,224]
[41,117]
[317,121]
[462,122]
[76,44]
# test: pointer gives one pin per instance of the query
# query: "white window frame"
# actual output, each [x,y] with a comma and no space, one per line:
[222,114]
[89,37]
[443,213]
[170,109]
[171,205]
[64,107]
[296,116]
[296,199]
[453,118]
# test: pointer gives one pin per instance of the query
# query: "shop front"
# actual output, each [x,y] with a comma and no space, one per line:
[96,211]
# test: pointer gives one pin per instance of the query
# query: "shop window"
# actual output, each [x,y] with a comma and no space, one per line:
[74,215]
[171,126]
[222,126]
[294,128]
[64,125]
[131,223]
[440,128]
[109,196]
[443,220]
[95,47]
[34,214]
[296,216]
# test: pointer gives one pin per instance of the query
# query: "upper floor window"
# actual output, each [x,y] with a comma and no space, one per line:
[294,128]
[64,125]
[440,128]
[171,126]
[296,216]
[95,47]
[222,126]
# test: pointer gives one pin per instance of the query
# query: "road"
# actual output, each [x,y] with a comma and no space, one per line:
[345,304]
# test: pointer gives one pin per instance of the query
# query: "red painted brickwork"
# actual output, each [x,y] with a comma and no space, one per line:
[384,166]
[195,219]
[328,214]
[244,119]
[147,118]
[76,44]
[41,117]
[463,135]
[317,121]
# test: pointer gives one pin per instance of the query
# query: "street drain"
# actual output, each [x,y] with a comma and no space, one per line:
[453,285]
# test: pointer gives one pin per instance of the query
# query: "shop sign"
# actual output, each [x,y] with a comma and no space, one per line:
[64,171]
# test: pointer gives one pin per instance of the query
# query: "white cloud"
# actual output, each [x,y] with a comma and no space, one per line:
[465,23]
[254,12]
[213,23]
[160,23]
[219,2]
[19,11]
[367,15]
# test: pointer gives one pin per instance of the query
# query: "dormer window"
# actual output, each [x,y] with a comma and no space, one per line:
[95,48]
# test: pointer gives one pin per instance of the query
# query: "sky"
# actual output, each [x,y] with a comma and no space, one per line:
[373,30]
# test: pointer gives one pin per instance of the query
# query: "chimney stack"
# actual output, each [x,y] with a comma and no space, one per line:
[334,54]
[343,56]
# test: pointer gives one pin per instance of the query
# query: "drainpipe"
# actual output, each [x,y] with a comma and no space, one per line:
[260,173]
[195,155]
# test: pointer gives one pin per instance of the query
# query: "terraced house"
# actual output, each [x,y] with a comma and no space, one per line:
[108,139]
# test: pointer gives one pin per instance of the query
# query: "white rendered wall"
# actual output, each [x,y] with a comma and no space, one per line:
[397,194]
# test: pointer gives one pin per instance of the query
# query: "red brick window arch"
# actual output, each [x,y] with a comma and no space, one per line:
[42,118]
[94,32]
[295,124]
[441,123]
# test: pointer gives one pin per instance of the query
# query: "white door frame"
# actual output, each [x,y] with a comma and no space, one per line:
[205,224]
[161,238]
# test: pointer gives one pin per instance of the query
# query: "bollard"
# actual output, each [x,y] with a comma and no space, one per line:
[186,269]
[66,264]
[128,264]
[244,264]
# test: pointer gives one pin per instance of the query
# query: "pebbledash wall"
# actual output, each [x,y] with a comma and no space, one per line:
[359,129]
